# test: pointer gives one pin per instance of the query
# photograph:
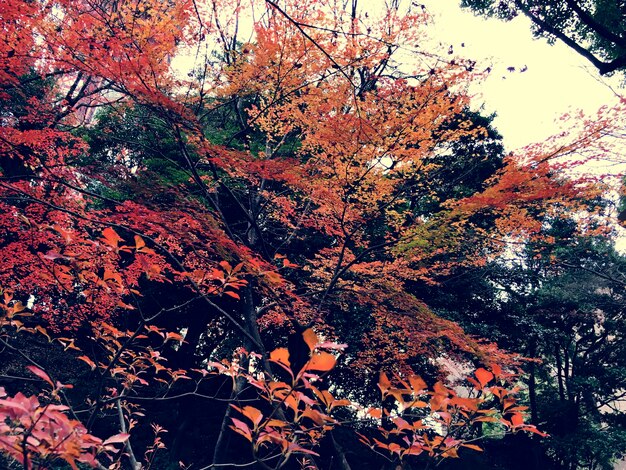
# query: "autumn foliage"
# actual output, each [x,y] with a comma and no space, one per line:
[211,238]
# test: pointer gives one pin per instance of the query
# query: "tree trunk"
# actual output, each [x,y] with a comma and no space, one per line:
[248,313]
[342,462]
[559,372]
[532,395]
[220,452]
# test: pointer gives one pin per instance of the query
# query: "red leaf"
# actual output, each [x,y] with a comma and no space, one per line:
[232,294]
[40,373]
[13,404]
[241,428]
[117,439]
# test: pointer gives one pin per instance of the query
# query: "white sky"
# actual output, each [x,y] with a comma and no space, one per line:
[527,103]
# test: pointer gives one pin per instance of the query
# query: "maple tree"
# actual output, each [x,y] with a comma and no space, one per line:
[216,238]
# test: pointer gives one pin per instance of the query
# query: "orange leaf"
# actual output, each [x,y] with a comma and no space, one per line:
[472,446]
[384,383]
[140,246]
[483,376]
[321,361]
[139,243]
[289,264]
[88,361]
[277,423]
[517,419]
[314,415]
[43,331]
[280,355]
[237,268]
[417,383]
[451,452]
[226,266]
[310,338]
[111,237]
[174,336]
[253,414]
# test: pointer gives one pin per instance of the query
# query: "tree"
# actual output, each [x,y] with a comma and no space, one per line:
[561,302]
[217,239]
[594,29]
[574,324]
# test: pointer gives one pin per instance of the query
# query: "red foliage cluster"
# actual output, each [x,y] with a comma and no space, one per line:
[309,214]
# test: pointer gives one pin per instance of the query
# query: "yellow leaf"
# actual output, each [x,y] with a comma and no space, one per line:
[273,277]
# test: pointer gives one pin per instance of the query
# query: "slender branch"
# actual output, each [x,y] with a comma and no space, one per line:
[131,455]
[595,25]
[594,272]
[603,67]
[313,41]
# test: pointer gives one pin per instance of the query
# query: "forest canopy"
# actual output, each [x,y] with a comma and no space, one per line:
[280,235]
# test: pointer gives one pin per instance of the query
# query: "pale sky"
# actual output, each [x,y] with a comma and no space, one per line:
[556,80]
[528,104]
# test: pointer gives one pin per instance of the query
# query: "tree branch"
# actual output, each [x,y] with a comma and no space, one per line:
[603,67]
